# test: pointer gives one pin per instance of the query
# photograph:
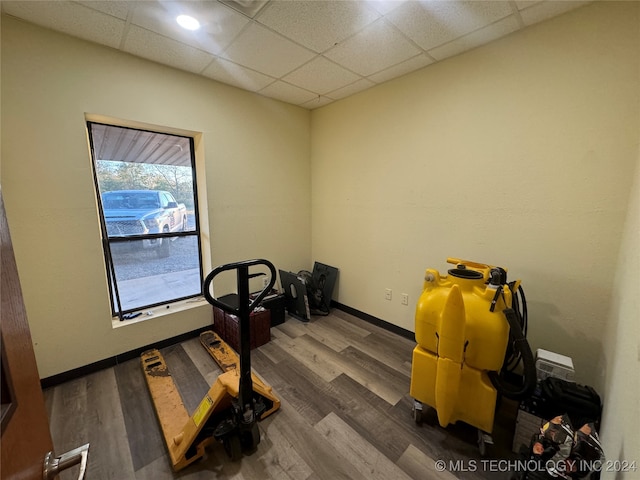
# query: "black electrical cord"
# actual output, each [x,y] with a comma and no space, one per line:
[521,346]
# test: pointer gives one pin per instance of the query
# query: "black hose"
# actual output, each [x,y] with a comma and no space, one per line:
[522,346]
[513,358]
[525,314]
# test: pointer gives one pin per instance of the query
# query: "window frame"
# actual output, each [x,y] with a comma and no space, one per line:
[110,270]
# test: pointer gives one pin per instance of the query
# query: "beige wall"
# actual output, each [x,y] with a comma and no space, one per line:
[521,153]
[621,434]
[256,156]
[518,154]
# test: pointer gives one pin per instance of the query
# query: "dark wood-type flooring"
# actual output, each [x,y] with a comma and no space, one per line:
[346,413]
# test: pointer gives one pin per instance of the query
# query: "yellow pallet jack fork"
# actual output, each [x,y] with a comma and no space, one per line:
[228,360]
[229,411]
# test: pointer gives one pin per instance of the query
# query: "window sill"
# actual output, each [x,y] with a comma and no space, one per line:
[160,311]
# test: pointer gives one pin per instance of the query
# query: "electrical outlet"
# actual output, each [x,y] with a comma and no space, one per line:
[405,299]
[387,293]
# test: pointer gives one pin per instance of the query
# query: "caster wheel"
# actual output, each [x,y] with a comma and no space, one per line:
[484,443]
[418,415]
[255,435]
[251,439]
[233,447]
[482,448]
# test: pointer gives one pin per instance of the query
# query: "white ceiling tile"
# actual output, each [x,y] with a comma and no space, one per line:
[228,72]
[355,87]
[383,7]
[377,47]
[72,19]
[378,39]
[115,8]
[260,49]
[475,39]
[545,10]
[219,25]
[152,46]
[249,8]
[317,103]
[434,23]
[414,63]
[299,21]
[287,93]
[321,76]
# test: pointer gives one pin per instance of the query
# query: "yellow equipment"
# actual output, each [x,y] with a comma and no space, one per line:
[228,360]
[463,326]
[230,409]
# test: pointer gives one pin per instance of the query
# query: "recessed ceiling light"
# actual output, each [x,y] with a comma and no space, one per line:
[190,23]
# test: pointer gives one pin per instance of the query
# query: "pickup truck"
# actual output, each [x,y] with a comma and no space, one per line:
[143,212]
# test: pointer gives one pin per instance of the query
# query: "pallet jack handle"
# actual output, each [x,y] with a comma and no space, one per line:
[243,277]
[243,311]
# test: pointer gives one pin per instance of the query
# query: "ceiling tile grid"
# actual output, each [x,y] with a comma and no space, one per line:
[351,89]
[73,19]
[288,93]
[263,50]
[304,52]
[115,8]
[231,73]
[300,21]
[376,47]
[535,12]
[220,25]
[321,75]
[408,66]
[476,38]
[146,44]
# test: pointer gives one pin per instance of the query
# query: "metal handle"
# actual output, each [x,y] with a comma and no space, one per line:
[245,383]
[54,465]
[242,268]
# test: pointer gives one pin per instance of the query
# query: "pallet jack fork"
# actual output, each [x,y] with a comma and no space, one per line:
[235,402]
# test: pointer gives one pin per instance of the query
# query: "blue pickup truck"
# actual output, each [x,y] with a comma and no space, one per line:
[143,212]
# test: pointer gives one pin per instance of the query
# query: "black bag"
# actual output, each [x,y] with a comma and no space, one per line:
[580,402]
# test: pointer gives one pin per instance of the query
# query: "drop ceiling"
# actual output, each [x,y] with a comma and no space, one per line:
[307,53]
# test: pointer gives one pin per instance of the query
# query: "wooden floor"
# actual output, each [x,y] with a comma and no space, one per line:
[346,413]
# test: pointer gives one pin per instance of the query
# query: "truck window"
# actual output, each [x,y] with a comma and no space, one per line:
[146,189]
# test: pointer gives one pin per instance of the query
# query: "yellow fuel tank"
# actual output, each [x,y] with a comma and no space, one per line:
[461,333]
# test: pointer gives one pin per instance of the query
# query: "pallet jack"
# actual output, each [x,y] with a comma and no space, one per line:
[231,408]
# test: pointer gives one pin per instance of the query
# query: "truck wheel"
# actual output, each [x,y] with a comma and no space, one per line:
[164,248]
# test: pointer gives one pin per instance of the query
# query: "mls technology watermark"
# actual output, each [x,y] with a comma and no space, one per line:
[502,465]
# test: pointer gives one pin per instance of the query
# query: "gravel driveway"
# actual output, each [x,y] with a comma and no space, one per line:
[133,263]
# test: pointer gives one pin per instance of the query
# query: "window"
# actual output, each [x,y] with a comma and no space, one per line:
[146,190]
